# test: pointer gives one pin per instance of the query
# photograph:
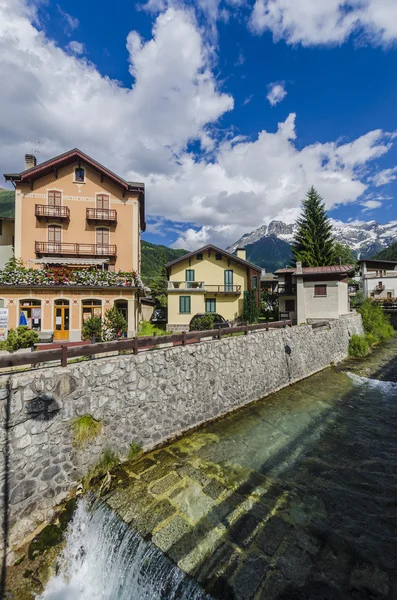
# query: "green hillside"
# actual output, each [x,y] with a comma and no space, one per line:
[389,253]
[154,257]
[270,253]
[7,203]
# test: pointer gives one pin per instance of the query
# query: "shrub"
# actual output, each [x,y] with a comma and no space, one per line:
[114,324]
[204,323]
[21,337]
[92,328]
[85,429]
[375,321]
[358,346]
[250,312]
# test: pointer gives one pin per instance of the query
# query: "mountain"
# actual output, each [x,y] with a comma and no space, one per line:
[364,238]
[7,203]
[389,253]
[153,259]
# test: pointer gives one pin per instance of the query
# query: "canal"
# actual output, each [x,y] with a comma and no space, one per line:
[294,497]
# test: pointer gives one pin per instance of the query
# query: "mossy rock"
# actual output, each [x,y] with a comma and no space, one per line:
[52,534]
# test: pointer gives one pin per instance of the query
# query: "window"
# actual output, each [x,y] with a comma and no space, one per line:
[218,256]
[102,201]
[79,175]
[31,310]
[255,282]
[1,227]
[228,280]
[320,290]
[189,274]
[54,236]
[54,198]
[91,308]
[184,304]
[102,236]
[210,305]
[290,305]
[389,295]
[199,256]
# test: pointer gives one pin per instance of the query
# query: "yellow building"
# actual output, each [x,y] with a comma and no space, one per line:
[73,213]
[209,280]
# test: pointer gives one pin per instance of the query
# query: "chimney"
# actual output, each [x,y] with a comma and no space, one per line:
[298,268]
[30,161]
[241,253]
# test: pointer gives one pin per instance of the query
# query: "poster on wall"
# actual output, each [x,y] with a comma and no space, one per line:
[86,316]
[3,324]
[36,313]
[97,311]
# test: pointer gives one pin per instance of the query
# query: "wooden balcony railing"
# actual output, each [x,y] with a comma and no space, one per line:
[288,290]
[223,289]
[186,285]
[101,214]
[47,211]
[71,249]
[201,286]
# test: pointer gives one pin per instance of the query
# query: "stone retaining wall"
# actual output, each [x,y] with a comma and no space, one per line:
[144,399]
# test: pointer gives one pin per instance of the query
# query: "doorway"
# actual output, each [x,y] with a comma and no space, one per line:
[61,320]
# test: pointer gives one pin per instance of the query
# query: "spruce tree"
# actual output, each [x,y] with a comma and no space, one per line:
[313,244]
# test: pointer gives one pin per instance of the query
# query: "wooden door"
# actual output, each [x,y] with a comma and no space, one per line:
[61,320]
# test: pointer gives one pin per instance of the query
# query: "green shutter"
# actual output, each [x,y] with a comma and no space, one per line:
[210,305]
[184,304]
[189,274]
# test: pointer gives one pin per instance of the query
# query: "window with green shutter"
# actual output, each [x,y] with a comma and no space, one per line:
[189,274]
[255,282]
[184,304]
[210,305]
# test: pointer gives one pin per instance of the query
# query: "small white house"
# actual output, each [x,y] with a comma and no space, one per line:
[314,293]
[379,279]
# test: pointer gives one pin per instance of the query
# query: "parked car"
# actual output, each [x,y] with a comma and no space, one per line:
[159,315]
[219,321]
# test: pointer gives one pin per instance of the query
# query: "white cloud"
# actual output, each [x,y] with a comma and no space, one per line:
[276,93]
[142,132]
[371,205]
[319,22]
[384,177]
[76,47]
[248,99]
[71,23]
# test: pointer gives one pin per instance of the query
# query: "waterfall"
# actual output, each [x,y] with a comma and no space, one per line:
[387,387]
[105,559]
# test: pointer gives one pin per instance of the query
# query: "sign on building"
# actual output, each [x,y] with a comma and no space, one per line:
[3,324]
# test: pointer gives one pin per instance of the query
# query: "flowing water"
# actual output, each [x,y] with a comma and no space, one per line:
[292,497]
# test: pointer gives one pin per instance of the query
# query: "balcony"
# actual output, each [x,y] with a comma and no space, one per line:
[55,213]
[70,249]
[380,287]
[201,286]
[286,290]
[101,215]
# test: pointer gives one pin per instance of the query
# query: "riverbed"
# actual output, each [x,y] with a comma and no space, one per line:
[294,496]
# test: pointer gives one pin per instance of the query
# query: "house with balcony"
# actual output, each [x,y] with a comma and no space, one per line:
[313,293]
[209,280]
[379,279]
[72,214]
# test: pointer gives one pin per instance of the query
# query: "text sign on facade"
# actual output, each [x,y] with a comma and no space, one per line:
[3,324]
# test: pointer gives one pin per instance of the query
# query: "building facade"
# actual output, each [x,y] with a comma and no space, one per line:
[314,293]
[379,279]
[72,214]
[209,280]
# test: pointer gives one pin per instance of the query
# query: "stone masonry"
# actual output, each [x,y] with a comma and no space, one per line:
[145,400]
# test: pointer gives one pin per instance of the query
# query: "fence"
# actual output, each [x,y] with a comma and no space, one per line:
[133,344]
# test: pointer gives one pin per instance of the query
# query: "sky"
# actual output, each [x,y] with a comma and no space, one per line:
[227,110]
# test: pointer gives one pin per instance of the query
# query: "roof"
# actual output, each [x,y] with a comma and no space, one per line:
[51,165]
[329,270]
[377,261]
[217,250]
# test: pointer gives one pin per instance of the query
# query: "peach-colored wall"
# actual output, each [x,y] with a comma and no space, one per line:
[78,197]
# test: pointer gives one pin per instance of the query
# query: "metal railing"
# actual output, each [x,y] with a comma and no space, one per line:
[71,249]
[223,289]
[101,214]
[186,285]
[53,212]
[286,289]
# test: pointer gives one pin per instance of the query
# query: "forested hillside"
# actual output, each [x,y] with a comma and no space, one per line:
[7,203]
[154,257]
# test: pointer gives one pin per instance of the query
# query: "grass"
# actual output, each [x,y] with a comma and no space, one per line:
[148,330]
[134,451]
[85,429]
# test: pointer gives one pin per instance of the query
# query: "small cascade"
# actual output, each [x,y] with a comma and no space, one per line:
[105,559]
[386,387]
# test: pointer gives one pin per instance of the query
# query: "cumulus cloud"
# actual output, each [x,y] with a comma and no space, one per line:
[276,93]
[371,205]
[76,47]
[384,177]
[143,131]
[319,22]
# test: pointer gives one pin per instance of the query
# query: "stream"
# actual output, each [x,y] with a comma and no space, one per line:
[293,497]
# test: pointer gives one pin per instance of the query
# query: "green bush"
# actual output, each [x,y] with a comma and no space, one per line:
[358,346]
[21,337]
[204,323]
[114,324]
[375,321]
[250,307]
[92,327]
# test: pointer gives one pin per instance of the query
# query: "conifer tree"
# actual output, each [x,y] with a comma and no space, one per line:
[313,244]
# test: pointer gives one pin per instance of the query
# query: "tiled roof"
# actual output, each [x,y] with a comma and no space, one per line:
[330,270]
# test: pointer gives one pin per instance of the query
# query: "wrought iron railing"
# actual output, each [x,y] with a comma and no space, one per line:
[71,249]
[101,214]
[50,211]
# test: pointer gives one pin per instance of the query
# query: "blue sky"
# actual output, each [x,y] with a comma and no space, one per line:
[227,109]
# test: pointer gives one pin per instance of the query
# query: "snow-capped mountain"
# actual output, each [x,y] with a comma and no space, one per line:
[364,238]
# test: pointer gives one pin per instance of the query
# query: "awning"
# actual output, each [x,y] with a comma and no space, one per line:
[69,261]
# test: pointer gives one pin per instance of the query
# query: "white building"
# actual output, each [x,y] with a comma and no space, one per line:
[314,293]
[379,279]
